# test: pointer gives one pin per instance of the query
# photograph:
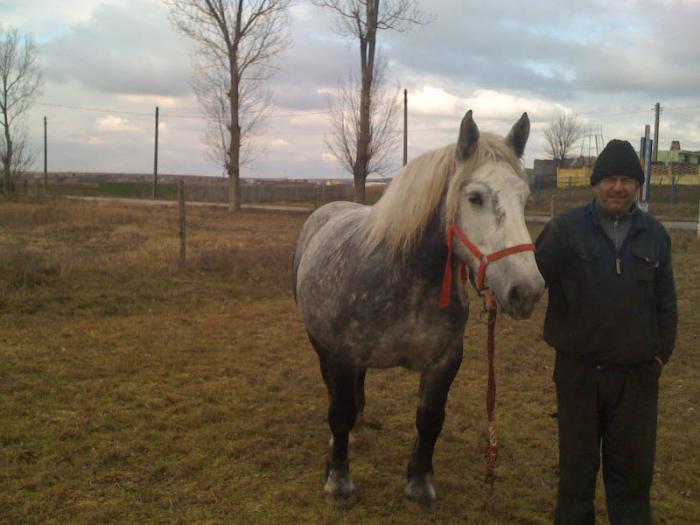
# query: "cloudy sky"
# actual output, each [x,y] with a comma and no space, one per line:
[107,63]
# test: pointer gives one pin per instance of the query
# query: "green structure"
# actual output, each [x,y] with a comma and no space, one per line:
[678,156]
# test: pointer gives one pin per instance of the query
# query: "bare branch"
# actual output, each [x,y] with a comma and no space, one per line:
[346,124]
[363,135]
[20,83]
[396,15]
[561,136]
[237,42]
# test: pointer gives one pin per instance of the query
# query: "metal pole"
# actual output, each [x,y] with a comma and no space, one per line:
[405,126]
[657,111]
[183,223]
[46,174]
[155,161]
[674,189]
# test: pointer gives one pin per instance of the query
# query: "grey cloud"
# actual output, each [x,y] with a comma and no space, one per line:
[558,51]
[122,51]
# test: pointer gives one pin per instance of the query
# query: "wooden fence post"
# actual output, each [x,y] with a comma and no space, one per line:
[183,223]
[551,206]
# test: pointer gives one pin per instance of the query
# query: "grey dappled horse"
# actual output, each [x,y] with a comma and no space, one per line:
[367,281]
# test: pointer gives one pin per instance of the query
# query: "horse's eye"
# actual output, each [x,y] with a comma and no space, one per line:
[475,199]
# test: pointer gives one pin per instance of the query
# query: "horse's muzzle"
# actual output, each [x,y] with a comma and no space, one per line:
[522,297]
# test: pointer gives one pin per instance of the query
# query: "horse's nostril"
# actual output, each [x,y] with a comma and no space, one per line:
[515,295]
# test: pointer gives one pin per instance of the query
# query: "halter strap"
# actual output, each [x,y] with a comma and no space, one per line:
[484,260]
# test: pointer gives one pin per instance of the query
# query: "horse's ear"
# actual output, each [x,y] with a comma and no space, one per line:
[468,137]
[517,138]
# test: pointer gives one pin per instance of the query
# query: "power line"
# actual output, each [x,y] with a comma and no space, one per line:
[167,115]
[636,112]
[174,115]
[95,110]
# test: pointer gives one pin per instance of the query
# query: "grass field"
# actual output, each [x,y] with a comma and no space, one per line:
[131,392]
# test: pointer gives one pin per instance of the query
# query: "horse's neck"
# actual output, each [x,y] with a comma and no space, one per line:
[427,259]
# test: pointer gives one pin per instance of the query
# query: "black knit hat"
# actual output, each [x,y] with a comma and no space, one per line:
[617,159]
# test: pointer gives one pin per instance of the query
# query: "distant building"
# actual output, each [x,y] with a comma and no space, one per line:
[544,172]
[676,155]
[577,172]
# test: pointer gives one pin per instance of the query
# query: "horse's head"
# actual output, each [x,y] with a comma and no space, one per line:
[486,200]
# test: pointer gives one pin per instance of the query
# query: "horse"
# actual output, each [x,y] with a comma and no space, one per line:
[367,282]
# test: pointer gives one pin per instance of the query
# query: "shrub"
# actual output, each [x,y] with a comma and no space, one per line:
[24,268]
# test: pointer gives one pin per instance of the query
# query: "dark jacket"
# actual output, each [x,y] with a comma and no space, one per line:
[616,307]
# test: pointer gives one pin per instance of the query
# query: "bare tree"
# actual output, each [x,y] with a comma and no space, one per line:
[384,138]
[361,20]
[561,136]
[211,88]
[20,81]
[237,41]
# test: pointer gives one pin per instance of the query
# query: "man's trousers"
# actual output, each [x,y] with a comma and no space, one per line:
[606,411]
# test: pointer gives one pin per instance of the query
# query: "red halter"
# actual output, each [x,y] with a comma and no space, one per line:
[485,260]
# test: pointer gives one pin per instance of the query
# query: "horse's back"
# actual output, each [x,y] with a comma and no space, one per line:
[316,222]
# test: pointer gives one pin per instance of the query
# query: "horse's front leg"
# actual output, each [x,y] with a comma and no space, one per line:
[434,387]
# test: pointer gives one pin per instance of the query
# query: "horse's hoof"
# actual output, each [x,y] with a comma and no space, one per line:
[340,489]
[420,490]
[352,439]
[342,503]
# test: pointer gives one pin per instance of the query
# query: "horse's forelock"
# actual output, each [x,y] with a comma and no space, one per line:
[491,148]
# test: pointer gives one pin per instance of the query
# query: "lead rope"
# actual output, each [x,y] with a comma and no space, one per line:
[492,446]
[491,452]
[491,307]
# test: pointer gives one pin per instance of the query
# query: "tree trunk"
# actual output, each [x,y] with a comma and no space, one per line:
[359,187]
[234,164]
[234,152]
[364,138]
[234,191]
[7,182]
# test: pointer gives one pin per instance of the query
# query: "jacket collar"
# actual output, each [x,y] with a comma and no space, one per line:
[639,218]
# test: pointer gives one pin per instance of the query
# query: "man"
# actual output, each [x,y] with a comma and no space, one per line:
[612,319]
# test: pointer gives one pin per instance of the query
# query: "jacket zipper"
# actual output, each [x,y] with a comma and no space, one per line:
[617,247]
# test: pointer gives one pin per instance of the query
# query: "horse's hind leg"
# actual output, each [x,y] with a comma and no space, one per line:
[430,416]
[341,380]
[360,396]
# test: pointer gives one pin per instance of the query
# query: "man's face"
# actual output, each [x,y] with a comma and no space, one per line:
[616,194]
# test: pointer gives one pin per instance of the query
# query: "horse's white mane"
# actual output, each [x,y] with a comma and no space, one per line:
[400,217]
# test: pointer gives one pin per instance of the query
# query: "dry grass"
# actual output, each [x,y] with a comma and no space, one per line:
[131,392]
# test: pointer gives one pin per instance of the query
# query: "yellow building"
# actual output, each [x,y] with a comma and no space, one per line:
[570,177]
[683,174]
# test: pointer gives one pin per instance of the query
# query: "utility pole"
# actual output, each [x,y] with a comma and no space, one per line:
[46,173]
[657,111]
[155,161]
[405,126]
[645,153]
